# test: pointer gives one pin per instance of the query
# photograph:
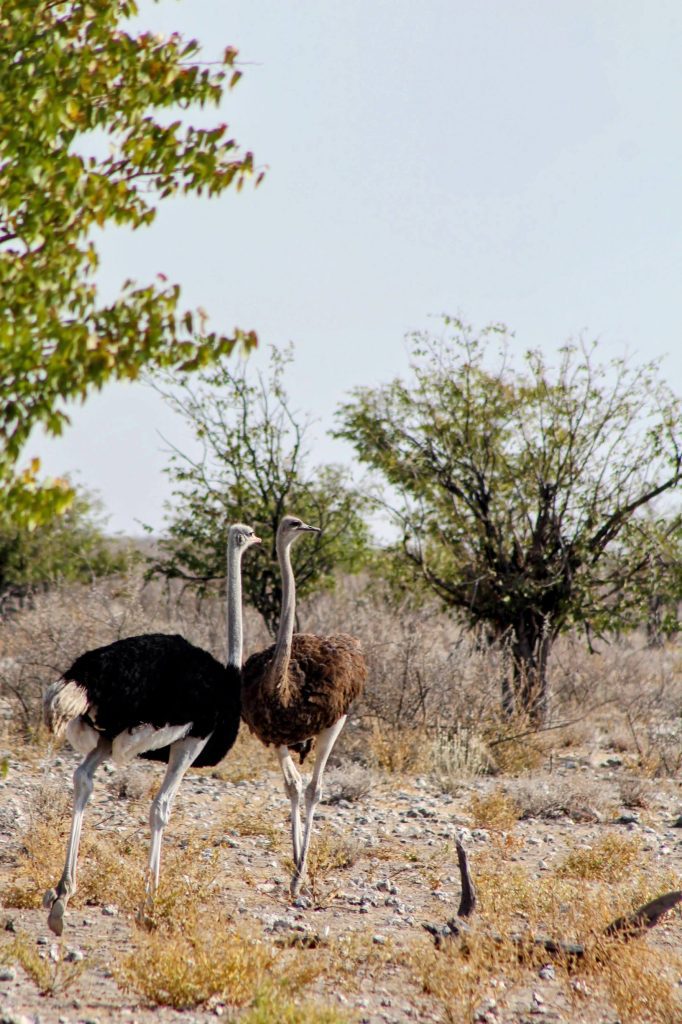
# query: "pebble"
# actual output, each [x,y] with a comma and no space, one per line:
[7,974]
[110,910]
[547,972]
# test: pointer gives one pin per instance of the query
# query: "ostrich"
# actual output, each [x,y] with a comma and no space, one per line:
[297,690]
[154,695]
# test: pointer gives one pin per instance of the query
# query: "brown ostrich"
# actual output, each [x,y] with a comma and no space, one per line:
[299,690]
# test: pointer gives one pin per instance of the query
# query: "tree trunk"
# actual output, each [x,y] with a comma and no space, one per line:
[654,623]
[525,687]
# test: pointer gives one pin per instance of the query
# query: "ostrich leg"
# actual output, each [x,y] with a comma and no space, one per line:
[325,742]
[55,900]
[182,754]
[293,787]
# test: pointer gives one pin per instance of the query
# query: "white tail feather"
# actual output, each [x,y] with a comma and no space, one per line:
[132,742]
[64,701]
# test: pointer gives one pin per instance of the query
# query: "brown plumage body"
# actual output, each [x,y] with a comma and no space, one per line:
[324,676]
[298,691]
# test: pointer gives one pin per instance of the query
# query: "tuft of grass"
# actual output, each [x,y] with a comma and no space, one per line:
[50,976]
[253,821]
[457,755]
[43,848]
[609,859]
[269,1009]
[396,749]
[461,979]
[634,792]
[494,810]
[185,970]
[352,783]
[208,961]
[549,797]
[329,853]
[643,983]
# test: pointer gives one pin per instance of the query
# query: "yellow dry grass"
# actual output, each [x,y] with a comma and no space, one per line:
[50,975]
[247,760]
[609,859]
[493,810]
[209,961]
[398,750]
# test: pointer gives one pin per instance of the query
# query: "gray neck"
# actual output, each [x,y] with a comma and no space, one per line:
[234,605]
[287,617]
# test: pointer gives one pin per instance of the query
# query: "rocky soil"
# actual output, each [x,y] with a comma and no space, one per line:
[403,872]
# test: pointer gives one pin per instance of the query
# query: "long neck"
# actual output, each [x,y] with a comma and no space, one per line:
[234,606]
[285,632]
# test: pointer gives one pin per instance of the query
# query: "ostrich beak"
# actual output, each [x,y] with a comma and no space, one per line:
[304,528]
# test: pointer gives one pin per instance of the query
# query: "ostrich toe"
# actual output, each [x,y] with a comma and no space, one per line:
[55,919]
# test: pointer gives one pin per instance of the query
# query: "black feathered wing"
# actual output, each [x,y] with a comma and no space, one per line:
[160,680]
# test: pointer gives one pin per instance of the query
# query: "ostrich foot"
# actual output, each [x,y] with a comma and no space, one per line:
[57,906]
[145,916]
[296,886]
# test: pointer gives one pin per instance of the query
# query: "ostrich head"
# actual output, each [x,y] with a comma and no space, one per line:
[290,528]
[241,537]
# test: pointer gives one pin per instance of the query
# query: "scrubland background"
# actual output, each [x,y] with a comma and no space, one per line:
[567,826]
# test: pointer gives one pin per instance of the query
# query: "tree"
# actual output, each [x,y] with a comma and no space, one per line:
[253,468]
[68,547]
[523,489]
[81,148]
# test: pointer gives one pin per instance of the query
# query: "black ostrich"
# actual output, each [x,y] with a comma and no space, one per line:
[298,691]
[154,695]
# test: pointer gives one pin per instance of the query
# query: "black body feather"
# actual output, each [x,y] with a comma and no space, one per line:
[157,679]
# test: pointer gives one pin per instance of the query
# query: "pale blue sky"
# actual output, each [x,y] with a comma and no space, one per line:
[509,160]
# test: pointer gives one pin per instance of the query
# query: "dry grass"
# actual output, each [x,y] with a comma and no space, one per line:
[328,854]
[493,810]
[634,792]
[271,1010]
[354,961]
[248,760]
[643,984]
[397,749]
[111,865]
[351,782]
[238,820]
[462,979]
[609,859]
[458,755]
[50,974]
[639,981]
[548,797]
[206,962]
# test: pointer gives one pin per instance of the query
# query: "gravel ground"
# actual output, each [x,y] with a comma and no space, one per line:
[403,830]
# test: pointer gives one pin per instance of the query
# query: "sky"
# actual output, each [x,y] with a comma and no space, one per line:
[511,161]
